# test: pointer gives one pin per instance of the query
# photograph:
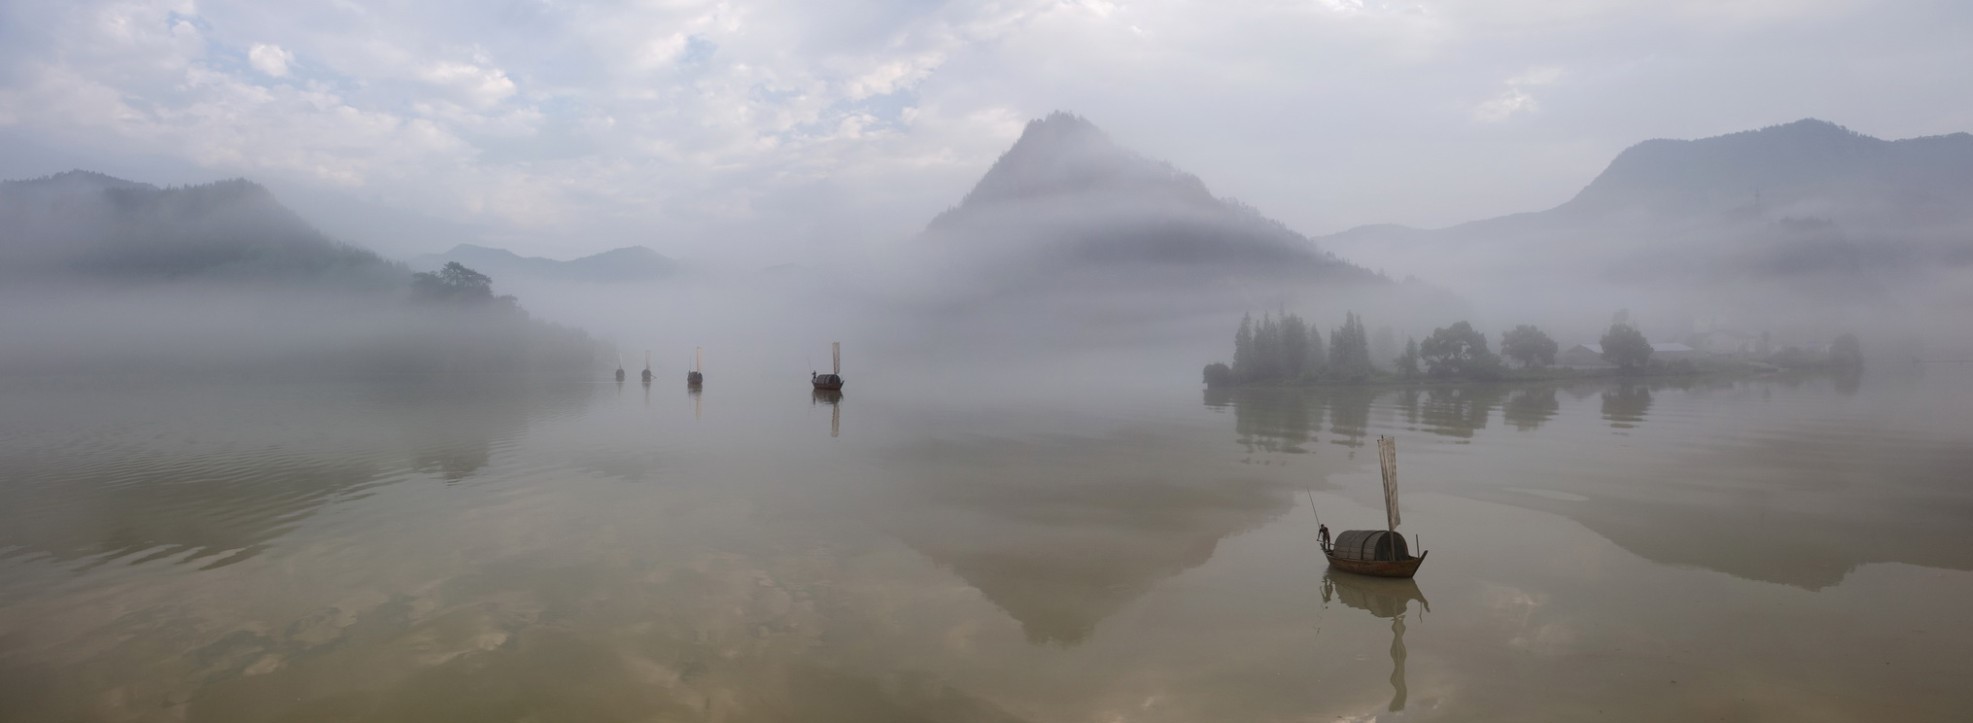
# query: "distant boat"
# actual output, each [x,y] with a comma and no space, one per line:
[647,366]
[619,367]
[834,379]
[1381,553]
[694,378]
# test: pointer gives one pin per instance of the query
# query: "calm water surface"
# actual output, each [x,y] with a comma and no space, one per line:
[1773,549]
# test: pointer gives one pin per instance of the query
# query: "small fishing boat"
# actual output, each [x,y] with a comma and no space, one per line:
[619,367]
[1380,553]
[834,379]
[695,378]
[647,366]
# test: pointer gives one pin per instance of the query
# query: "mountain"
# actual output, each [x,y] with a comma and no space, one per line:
[631,263]
[1807,210]
[1809,168]
[1068,197]
[84,225]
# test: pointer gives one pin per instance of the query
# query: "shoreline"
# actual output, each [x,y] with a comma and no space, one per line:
[1540,377]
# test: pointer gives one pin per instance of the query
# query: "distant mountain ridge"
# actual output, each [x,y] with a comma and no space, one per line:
[630,263]
[1067,194]
[1778,167]
[91,225]
[1810,204]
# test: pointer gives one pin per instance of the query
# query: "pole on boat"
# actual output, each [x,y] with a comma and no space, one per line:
[836,356]
[1387,456]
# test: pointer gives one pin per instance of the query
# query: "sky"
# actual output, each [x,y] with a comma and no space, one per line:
[785,131]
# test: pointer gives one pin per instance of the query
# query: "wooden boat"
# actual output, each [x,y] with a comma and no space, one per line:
[833,380]
[619,367]
[647,366]
[695,378]
[1380,553]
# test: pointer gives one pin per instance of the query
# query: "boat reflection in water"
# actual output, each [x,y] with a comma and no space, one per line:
[1388,598]
[833,398]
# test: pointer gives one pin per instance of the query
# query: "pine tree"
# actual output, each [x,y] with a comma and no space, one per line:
[1407,363]
[1243,350]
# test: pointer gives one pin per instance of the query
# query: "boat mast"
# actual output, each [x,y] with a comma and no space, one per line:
[836,355]
[698,358]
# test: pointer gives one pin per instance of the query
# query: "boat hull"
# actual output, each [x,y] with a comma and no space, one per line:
[1379,568]
[829,386]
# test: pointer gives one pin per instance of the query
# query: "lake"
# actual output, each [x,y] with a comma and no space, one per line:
[1778,549]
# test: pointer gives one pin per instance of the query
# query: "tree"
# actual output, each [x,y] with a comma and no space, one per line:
[1267,349]
[1458,351]
[1846,352]
[1349,350]
[1218,375]
[1407,363]
[1529,346]
[454,282]
[1243,349]
[1318,355]
[1294,346]
[1626,347]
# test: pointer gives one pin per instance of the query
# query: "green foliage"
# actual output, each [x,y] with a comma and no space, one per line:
[1349,351]
[1243,349]
[1294,346]
[1846,352]
[1459,351]
[1277,349]
[1626,347]
[1218,375]
[454,282]
[1407,363]
[1529,346]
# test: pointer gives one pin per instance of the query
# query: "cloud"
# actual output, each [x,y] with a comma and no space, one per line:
[478,85]
[775,125]
[1515,99]
[270,60]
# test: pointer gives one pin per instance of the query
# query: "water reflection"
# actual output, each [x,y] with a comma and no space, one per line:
[1277,420]
[1349,415]
[1526,409]
[1061,533]
[1459,411]
[214,475]
[1625,405]
[833,398]
[1384,598]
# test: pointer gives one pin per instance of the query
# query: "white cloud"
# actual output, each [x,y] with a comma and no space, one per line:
[478,85]
[1515,99]
[1509,103]
[271,60]
[688,114]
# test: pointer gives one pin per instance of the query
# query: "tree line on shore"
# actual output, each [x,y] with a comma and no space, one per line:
[1285,349]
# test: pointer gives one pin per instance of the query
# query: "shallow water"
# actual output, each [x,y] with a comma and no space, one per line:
[1767,549]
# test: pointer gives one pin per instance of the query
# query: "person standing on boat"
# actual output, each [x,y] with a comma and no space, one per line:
[1322,535]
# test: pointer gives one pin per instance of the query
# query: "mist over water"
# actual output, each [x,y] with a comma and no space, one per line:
[996,552]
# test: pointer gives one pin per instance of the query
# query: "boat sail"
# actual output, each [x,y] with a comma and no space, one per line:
[1387,457]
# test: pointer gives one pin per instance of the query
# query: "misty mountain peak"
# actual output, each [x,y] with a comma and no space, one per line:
[1068,196]
[1064,154]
